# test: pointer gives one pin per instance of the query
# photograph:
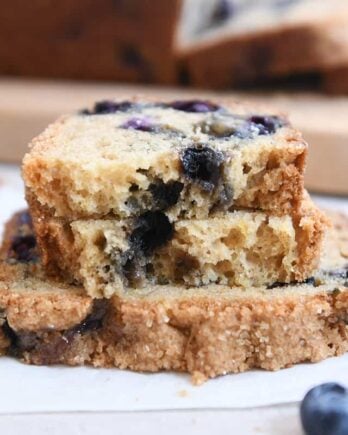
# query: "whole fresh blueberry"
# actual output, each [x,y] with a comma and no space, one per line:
[107,106]
[324,410]
[152,230]
[142,124]
[202,165]
[266,124]
[194,106]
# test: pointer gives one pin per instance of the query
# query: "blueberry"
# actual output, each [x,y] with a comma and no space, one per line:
[277,284]
[142,124]
[309,281]
[22,247]
[131,56]
[20,340]
[165,194]
[324,410]
[223,10]
[195,106]
[105,107]
[339,273]
[202,165]
[94,320]
[152,230]
[266,124]
[24,218]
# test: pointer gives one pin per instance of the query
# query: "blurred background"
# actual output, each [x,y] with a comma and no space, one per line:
[59,56]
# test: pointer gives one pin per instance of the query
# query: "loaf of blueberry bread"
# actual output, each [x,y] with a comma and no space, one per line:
[267,39]
[237,249]
[206,331]
[187,158]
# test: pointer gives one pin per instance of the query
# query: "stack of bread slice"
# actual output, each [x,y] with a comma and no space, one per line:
[172,236]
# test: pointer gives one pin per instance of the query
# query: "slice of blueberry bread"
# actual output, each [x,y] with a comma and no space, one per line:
[260,40]
[186,158]
[240,248]
[207,332]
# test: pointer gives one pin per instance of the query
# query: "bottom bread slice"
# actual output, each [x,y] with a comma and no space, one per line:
[207,332]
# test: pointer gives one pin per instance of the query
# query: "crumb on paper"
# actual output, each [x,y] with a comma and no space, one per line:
[198,378]
[183,393]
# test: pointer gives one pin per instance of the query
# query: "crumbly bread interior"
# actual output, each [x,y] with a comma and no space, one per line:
[240,248]
[91,165]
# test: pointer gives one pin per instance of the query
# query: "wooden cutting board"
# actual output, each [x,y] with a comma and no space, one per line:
[26,107]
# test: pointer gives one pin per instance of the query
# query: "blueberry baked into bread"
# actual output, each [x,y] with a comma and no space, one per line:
[240,248]
[186,158]
[207,331]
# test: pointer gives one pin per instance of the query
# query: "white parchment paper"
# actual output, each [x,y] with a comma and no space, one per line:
[27,389]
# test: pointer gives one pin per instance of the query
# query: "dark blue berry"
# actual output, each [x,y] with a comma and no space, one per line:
[22,248]
[152,230]
[94,320]
[20,340]
[131,56]
[339,273]
[266,124]
[24,218]
[105,107]
[196,106]
[142,124]
[224,9]
[309,281]
[202,165]
[324,410]
[166,194]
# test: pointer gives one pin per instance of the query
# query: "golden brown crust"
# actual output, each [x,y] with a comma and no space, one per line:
[264,54]
[210,336]
[36,303]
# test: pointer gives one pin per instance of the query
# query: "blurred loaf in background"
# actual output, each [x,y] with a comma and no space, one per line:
[217,44]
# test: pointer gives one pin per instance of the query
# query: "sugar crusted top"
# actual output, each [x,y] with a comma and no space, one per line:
[115,130]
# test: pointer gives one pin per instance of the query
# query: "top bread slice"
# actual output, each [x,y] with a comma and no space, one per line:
[265,39]
[187,158]
[206,331]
